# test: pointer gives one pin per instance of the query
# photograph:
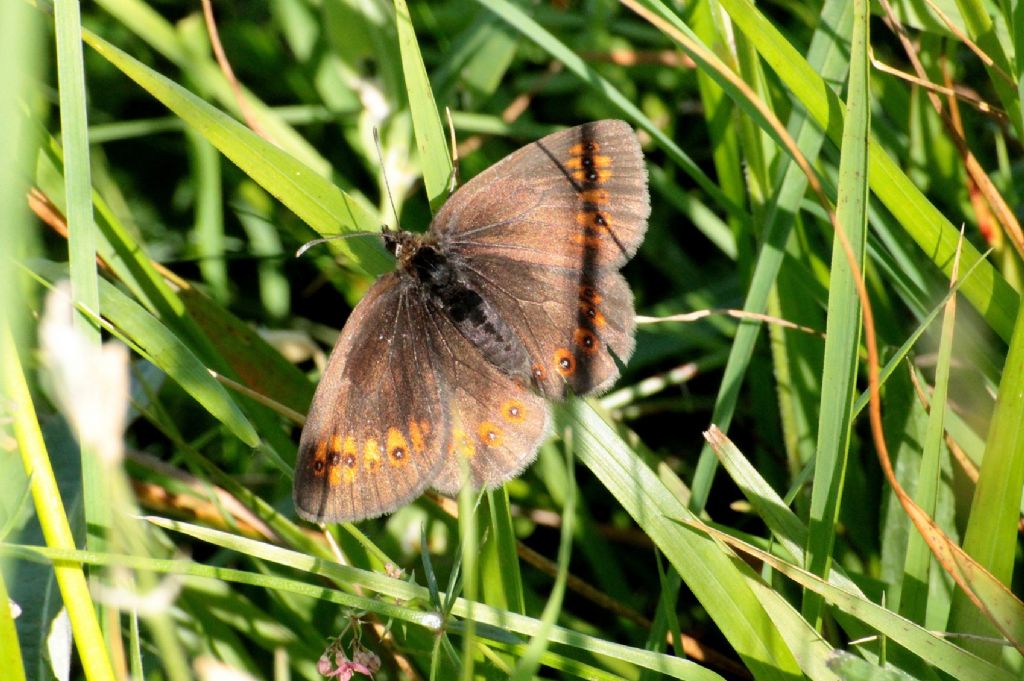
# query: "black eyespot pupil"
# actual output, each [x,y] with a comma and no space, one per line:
[588,341]
[514,411]
[398,453]
[599,220]
[318,466]
[564,363]
[335,458]
[588,162]
[350,461]
[592,175]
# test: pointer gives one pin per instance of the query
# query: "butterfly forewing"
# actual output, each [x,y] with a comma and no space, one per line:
[376,430]
[544,246]
[577,200]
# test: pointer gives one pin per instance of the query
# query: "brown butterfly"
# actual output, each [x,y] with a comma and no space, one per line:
[512,298]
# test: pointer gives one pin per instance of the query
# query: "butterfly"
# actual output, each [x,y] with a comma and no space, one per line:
[512,298]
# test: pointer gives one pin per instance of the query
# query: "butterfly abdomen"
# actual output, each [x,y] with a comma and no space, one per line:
[475,319]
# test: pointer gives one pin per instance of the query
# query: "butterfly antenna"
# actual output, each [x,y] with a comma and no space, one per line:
[384,173]
[455,153]
[316,242]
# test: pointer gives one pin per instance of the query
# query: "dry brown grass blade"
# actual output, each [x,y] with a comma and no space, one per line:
[964,570]
[954,560]
[735,314]
[229,73]
[1004,214]
[962,93]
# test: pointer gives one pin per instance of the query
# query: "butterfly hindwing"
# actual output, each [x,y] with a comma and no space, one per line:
[575,328]
[376,430]
[496,422]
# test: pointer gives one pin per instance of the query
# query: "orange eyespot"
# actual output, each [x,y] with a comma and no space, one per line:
[586,341]
[590,294]
[594,221]
[513,411]
[585,162]
[565,362]
[490,435]
[593,314]
[588,147]
[592,175]
[539,373]
[595,196]
[397,447]
[320,458]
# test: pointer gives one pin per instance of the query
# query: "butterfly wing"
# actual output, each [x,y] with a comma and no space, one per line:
[541,235]
[574,327]
[378,427]
[497,423]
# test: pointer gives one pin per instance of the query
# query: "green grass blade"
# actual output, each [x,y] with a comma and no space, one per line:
[81,232]
[501,625]
[995,511]
[715,580]
[936,650]
[829,58]
[933,232]
[51,513]
[843,331]
[435,160]
[529,662]
[319,203]
[153,340]
[912,601]
[502,581]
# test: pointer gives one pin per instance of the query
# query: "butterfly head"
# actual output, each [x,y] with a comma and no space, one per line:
[404,245]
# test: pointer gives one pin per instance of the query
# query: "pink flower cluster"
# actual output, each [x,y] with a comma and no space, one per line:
[363,661]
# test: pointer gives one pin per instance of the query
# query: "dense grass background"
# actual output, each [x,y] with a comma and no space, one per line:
[174,197]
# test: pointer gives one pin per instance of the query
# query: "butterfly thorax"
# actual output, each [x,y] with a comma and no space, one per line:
[439,277]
